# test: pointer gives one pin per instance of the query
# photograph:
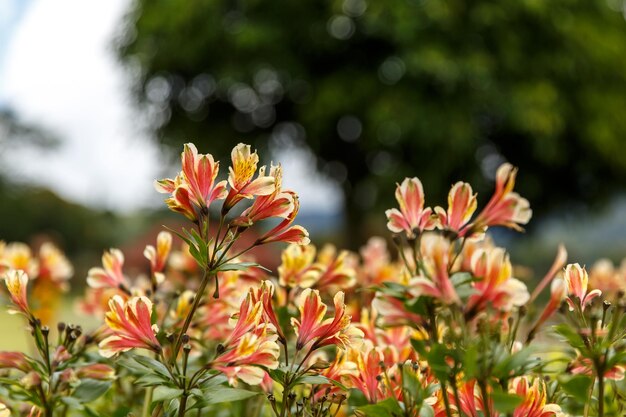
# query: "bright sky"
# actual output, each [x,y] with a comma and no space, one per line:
[57,71]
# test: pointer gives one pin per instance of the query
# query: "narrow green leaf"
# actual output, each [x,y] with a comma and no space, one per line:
[164,393]
[90,389]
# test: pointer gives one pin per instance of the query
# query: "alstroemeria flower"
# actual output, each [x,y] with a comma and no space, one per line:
[244,164]
[284,231]
[53,265]
[14,360]
[505,208]
[278,203]
[246,359]
[200,172]
[264,295]
[180,200]
[97,371]
[297,267]
[130,323]
[496,285]
[16,282]
[461,206]
[248,319]
[111,275]
[412,216]
[533,399]
[584,366]
[158,256]
[558,291]
[576,279]
[313,328]
[335,269]
[369,372]
[17,255]
[436,255]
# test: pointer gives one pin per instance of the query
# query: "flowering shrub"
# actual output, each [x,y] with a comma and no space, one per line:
[442,330]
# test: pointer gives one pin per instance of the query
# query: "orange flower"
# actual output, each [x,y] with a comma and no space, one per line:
[412,216]
[436,253]
[110,276]
[335,269]
[284,231]
[584,366]
[17,255]
[158,256]
[297,267]
[312,327]
[98,371]
[496,285]
[200,172]
[245,360]
[264,295]
[53,265]
[533,399]
[367,378]
[505,208]
[16,282]
[576,279]
[248,319]
[461,206]
[130,322]
[244,164]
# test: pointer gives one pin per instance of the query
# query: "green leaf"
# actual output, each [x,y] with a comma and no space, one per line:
[577,386]
[505,402]
[90,389]
[152,380]
[572,337]
[152,364]
[386,408]
[311,379]
[163,393]
[241,266]
[225,395]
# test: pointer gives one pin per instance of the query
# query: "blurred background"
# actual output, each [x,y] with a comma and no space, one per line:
[351,96]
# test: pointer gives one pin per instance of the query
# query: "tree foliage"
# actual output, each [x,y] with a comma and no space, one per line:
[383,90]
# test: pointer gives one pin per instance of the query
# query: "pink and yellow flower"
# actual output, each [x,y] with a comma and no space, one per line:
[16,282]
[14,360]
[367,378]
[496,285]
[505,208]
[53,265]
[412,217]
[576,280]
[336,269]
[97,371]
[245,360]
[461,206]
[110,275]
[436,255]
[241,172]
[297,267]
[264,295]
[248,319]
[534,399]
[200,172]
[17,255]
[284,231]
[130,323]
[584,366]
[313,328]
[158,256]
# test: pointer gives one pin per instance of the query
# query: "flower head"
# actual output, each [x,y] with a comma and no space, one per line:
[97,371]
[505,208]
[200,172]
[461,206]
[53,265]
[110,275]
[16,282]
[297,267]
[130,323]
[412,217]
[576,280]
[241,172]
[313,328]
[284,231]
[436,253]
[14,360]
[534,398]
[158,256]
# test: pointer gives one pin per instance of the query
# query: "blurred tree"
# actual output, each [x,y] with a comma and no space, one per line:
[440,89]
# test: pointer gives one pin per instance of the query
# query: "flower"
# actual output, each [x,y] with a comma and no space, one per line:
[461,206]
[264,295]
[15,360]
[284,232]
[54,265]
[311,327]
[243,168]
[200,172]
[158,256]
[111,275]
[248,319]
[412,216]
[16,282]
[245,360]
[130,322]
[496,285]
[505,208]
[276,204]
[180,200]
[335,269]
[576,279]
[558,291]
[297,267]
[369,371]
[97,371]
[436,253]
[608,279]
[17,255]
[584,366]
[533,399]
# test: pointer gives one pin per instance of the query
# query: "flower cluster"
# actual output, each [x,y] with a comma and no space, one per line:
[443,326]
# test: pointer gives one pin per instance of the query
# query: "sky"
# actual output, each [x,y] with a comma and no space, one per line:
[58,71]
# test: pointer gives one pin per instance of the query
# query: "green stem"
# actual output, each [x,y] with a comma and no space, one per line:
[147,401]
[483,393]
